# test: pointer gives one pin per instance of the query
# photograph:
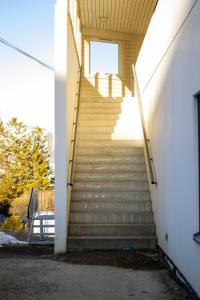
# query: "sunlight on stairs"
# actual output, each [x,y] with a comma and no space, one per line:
[110,204]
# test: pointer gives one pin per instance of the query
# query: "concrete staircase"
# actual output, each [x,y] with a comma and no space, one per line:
[110,205]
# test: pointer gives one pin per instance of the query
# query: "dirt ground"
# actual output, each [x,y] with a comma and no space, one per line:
[35,273]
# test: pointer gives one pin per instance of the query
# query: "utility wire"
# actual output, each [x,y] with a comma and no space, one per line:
[26,54]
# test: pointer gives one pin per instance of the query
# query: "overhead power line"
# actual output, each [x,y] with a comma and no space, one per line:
[26,54]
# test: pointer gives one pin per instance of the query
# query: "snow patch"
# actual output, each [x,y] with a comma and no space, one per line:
[8,239]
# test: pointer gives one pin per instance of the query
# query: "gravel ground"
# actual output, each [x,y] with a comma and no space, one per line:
[34,273]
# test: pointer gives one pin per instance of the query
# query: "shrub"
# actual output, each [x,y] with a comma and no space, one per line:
[13,223]
[19,205]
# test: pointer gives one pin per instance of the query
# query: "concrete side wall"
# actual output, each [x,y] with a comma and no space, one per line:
[76,25]
[67,74]
[168,71]
[60,125]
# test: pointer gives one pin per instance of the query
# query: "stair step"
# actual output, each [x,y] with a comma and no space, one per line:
[112,217]
[93,129]
[101,136]
[100,129]
[126,144]
[111,186]
[100,123]
[109,151]
[90,83]
[102,83]
[94,136]
[101,100]
[135,206]
[110,200]
[111,242]
[108,195]
[105,111]
[109,167]
[112,230]
[101,105]
[91,116]
[113,159]
[130,176]
[104,91]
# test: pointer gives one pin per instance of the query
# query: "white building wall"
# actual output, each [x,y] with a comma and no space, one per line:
[61,126]
[168,69]
[67,74]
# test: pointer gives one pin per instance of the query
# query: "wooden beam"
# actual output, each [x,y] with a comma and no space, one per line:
[110,35]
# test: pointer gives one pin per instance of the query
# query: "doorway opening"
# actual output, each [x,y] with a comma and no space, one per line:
[104,57]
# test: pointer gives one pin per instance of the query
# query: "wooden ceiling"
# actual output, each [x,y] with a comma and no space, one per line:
[130,16]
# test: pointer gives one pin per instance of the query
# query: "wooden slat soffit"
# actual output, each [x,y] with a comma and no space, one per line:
[129,16]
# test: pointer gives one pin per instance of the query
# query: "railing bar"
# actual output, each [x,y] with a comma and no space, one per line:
[75,131]
[146,140]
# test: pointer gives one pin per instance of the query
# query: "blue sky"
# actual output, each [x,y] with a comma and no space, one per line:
[26,88]
[104,57]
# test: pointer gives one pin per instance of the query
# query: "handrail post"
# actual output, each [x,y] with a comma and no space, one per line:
[146,140]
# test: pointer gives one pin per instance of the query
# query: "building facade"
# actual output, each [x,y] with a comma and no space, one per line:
[158,62]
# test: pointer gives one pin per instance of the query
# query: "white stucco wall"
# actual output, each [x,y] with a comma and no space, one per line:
[169,76]
[61,126]
[66,87]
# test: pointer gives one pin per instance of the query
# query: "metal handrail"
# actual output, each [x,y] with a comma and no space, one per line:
[146,140]
[70,183]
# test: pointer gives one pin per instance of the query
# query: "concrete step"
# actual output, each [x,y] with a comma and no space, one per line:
[109,167]
[105,93]
[91,116]
[100,105]
[106,111]
[95,123]
[101,84]
[109,150]
[96,136]
[93,129]
[107,242]
[100,100]
[101,205]
[112,217]
[98,130]
[110,196]
[112,230]
[115,144]
[115,90]
[130,176]
[92,82]
[110,186]
[113,159]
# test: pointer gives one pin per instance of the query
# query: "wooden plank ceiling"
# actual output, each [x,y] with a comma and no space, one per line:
[130,16]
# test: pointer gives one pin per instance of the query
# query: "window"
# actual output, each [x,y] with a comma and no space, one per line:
[104,57]
[197,235]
